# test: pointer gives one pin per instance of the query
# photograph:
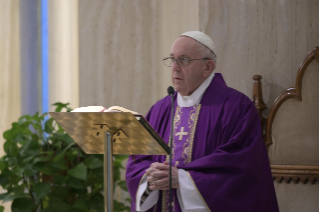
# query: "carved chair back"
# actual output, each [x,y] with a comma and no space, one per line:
[291,134]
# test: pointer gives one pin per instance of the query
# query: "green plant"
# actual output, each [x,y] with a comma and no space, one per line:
[45,170]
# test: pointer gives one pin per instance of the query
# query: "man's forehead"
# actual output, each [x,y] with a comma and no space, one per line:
[184,46]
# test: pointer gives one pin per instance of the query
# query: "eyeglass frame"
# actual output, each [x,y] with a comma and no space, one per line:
[174,60]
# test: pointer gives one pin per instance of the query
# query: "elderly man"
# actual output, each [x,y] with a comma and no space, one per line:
[220,161]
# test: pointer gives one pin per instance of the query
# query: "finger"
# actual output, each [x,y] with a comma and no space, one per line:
[154,164]
[161,166]
[151,179]
[150,170]
[161,182]
[166,163]
[164,188]
[159,174]
[154,187]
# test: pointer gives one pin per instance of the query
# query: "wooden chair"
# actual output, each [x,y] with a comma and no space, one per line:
[291,135]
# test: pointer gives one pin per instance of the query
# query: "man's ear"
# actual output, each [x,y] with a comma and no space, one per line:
[210,67]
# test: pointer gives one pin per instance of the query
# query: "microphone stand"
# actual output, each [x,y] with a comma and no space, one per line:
[171,91]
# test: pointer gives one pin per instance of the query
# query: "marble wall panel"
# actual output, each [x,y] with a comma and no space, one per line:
[252,37]
[9,69]
[178,16]
[305,31]
[119,53]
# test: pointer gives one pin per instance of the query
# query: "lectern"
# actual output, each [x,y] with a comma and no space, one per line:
[111,133]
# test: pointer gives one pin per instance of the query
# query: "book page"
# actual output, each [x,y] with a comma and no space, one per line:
[89,109]
[102,109]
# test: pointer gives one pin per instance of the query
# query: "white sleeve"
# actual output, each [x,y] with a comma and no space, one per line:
[189,198]
[149,201]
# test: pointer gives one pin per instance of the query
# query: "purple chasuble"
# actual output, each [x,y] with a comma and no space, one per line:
[223,152]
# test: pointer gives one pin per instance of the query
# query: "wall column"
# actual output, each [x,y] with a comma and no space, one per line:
[63,52]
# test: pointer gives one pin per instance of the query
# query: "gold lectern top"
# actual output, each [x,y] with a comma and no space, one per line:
[132,134]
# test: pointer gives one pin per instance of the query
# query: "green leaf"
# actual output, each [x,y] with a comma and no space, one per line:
[8,135]
[61,164]
[29,171]
[117,165]
[60,179]
[120,158]
[61,155]
[60,106]
[5,176]
[1,208]
[3,165]
[117,175]
[12,161]
[79,171]
[22,205]
[24,119]
[59,193]
[96,176]
[93,162]
[10,148]
[14,195]
[80,191]
[122,185]
[74,183]
[48,126]
[18,171]
[118,206]
[28,159]
[48,209]
[41,190]
[59,205]
[67,139]
[46,168]
[80,203]
[96,202]
[73,154]
[41,159]
[36,118]
[2,196]
[19,138]
[30,147]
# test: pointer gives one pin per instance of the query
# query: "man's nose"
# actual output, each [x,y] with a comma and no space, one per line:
[175,65]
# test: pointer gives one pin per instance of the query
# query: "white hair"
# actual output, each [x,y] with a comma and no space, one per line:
[207,53]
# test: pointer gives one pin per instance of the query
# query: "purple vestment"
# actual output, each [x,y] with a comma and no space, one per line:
[229,163]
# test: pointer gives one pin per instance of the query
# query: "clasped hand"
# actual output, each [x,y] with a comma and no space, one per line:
[158,174]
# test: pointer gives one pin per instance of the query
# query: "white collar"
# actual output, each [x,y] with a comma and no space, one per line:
[196,96]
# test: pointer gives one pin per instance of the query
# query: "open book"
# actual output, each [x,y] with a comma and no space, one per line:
[103,109]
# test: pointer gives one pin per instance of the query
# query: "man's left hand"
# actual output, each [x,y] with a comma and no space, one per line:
[157,182]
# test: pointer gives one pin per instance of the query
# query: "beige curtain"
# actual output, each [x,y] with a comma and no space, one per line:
[9,68]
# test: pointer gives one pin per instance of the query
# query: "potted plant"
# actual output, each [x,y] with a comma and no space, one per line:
[45,170]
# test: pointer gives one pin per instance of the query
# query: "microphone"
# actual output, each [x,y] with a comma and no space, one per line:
[171,91]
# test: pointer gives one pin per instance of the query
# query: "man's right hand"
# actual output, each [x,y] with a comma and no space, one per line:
[157,176]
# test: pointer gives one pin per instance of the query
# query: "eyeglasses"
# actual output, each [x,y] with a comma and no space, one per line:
[169,61]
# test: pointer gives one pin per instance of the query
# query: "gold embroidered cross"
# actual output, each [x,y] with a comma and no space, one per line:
[181,133]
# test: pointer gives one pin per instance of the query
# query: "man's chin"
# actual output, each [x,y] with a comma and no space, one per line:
[180,91]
